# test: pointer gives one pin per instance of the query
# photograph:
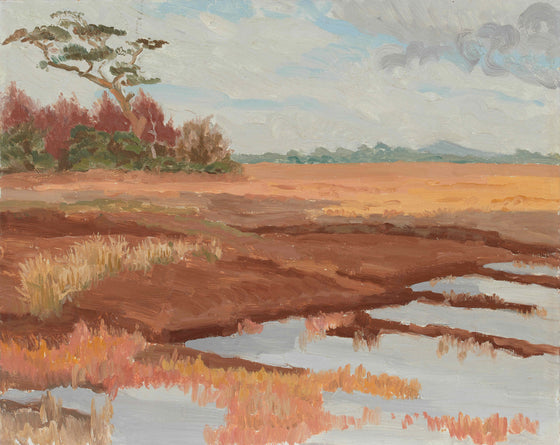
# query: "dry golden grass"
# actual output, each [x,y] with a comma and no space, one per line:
[150,252]
[49,423]
[47,282]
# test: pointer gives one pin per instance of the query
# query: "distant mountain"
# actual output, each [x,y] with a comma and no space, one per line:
[449,148]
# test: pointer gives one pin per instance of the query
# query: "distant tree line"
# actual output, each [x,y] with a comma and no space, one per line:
[384,153]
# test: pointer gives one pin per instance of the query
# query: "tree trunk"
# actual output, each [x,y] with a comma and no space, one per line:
[137,124]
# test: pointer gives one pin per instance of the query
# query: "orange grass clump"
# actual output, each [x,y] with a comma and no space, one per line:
[270,407]
[95,358]
[262,407]
[482,431]
[247,326]
[317,327]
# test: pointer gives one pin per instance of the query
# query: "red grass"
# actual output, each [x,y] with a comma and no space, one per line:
[262,407]
[249,327]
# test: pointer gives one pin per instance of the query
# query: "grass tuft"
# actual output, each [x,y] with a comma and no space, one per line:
[47,282]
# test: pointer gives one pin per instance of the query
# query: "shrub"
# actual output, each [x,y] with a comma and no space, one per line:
[22,149]
[108,116]
[90,148]
[71,137]
[202,142]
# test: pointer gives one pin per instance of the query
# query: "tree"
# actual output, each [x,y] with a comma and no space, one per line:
[156,129]
[16,108]
[57,120]
[108,116]
[76,46]
[160,134]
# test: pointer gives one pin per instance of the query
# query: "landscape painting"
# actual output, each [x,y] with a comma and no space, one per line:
[279,222]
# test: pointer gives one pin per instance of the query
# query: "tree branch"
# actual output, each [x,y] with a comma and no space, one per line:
[116,80]
[44,48]
[86,74]
[101,72]
[135,55]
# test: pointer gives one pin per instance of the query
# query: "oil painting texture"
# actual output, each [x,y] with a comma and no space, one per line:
[255,222]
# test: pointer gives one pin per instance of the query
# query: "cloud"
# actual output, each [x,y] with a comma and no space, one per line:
[431,21]
[529,50]
[414,51]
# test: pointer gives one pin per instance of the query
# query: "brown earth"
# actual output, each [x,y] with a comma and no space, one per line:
[297,240]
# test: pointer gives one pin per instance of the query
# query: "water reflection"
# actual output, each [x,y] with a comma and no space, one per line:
[525,269]
[479,385]
[544,297]
[144,416]
[501,323]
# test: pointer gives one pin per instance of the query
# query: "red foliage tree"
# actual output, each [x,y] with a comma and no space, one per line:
[57,120]
[156,129]
[16,107]
[108,116]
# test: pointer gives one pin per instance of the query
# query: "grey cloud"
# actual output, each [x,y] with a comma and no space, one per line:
[540,23]
[502,38]
[430,21]
[468,48]
[500,49]
[538,14]
[414,51]
[497,39]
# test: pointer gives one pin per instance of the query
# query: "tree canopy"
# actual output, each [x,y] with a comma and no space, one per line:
[74,45]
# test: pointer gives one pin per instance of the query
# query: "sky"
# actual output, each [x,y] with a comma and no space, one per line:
[279,75]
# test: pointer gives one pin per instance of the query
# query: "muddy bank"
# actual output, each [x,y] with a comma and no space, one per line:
[261,277]
[362,326]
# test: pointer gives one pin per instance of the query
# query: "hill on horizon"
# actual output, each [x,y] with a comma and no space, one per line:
[441,151]
[450,148]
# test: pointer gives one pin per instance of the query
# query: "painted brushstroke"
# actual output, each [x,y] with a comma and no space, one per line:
[104,360]
[315,293]
[482,431]
[47,422]
[47,282]
[280,255]
[367,330]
